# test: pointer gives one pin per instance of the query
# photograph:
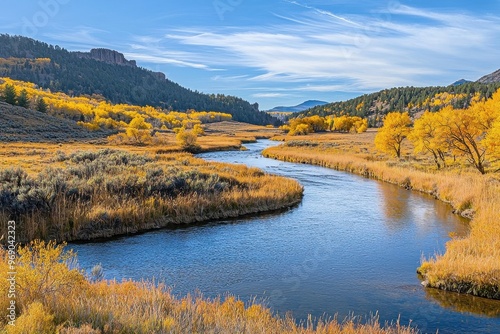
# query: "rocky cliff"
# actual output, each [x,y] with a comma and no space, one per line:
[115,58]
[107,56]
[490,78]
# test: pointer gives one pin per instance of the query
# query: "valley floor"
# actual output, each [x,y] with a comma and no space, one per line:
[82,190]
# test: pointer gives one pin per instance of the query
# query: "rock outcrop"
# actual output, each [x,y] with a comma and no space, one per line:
[107,56]
[490,78]
[114,57]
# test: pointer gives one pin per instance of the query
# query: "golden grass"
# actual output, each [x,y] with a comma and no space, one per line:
[229,135]
[79,305]
[109,199]
[470,265]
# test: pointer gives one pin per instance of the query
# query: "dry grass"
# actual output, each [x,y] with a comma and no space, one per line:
[80,305]
[470,265]
[103,193]
[34,157]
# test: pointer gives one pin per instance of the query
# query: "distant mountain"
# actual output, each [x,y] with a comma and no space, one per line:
[460,82]
[298,108]
[490,78]
[107,73]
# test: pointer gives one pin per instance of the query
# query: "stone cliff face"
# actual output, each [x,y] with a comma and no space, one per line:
[107,56]
[491,78]
[115,58]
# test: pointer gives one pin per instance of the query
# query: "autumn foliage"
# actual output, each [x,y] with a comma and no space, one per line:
[396,128]
[305,125]
[93,113]
[470,135]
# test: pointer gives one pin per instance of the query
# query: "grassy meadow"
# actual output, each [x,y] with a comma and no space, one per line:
[469,265]
[83,191]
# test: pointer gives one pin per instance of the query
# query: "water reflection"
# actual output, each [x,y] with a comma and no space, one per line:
[402,208]
[394,202]
[464,303]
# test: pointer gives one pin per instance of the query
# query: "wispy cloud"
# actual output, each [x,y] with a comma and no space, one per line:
[315,50]
[270,95]
[325,12]
[79,37]
[162,60]
[329,48]
[229,78]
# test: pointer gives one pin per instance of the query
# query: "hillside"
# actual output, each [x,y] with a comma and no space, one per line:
[412,99]
[298,108]
[109,74]
[490,78]
[19,124]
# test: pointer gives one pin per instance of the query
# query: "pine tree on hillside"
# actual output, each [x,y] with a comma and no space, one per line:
[41,105]
[23,100]
[9,94]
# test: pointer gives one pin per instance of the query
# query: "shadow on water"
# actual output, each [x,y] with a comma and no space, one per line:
[464,303]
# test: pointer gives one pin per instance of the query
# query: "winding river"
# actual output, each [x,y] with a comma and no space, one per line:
[351,247]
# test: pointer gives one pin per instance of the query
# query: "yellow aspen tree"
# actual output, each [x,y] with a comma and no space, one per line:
[492,142]
[138,131]
[463,131]
[395,129]
[427,137]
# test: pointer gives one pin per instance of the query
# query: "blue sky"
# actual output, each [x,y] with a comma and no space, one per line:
[278,52]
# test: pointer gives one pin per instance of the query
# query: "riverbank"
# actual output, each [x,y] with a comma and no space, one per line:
[469,265]
[102,193]
[60,299]
[96,190]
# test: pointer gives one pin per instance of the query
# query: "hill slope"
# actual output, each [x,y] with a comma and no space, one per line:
[19,124]
[411,99]
[490,78]
[108,73]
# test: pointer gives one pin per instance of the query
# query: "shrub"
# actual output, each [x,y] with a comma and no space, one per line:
[35,320]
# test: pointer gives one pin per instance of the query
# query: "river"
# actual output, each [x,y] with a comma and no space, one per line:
[351,247]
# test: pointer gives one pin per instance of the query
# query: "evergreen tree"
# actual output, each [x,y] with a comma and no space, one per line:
[41,105]
[23,100]
[9,94]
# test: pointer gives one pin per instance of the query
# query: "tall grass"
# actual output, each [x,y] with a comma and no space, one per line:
[77,305]
[109,192]
[469,265]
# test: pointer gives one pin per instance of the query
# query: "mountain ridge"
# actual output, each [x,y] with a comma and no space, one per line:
[415,100]
[114,78]
[490,78]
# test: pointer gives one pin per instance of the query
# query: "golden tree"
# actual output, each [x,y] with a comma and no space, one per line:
[492,141]
[393,132]
[305,125]
[350,124]
[428,138]
[464,132]
[138,130]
